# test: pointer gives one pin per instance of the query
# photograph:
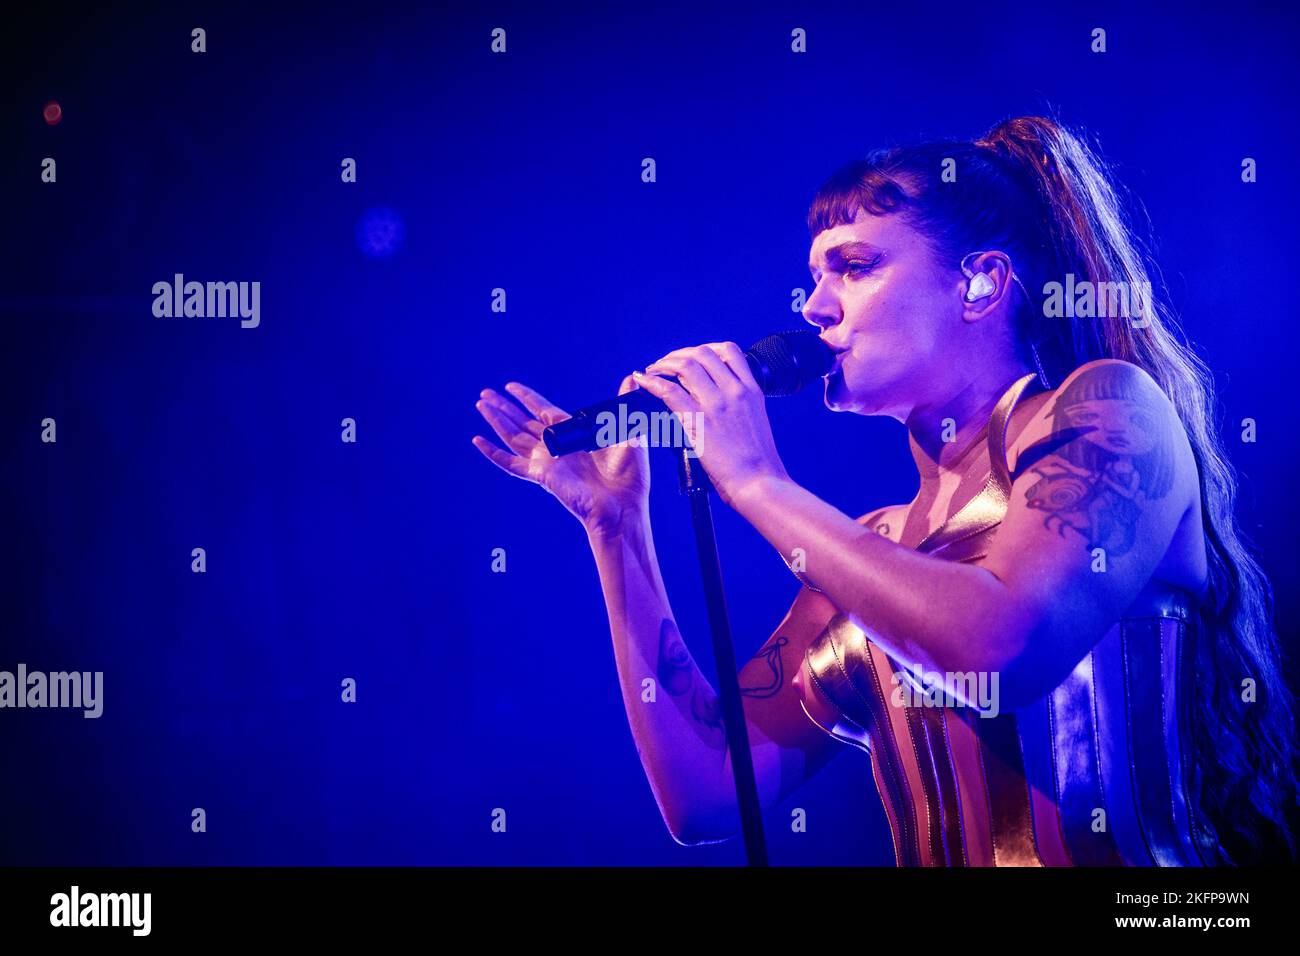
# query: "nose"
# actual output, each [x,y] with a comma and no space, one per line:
[822,309]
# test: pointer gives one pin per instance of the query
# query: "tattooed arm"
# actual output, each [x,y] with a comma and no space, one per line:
[1103,481]
[674,712]
[1104,478]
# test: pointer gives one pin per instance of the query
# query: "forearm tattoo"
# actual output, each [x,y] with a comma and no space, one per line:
[679,676]
[1110,453]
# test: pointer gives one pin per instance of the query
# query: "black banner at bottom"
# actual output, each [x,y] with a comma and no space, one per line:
[620,905]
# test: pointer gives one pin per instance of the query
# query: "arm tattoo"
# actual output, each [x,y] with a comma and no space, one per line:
[677,675]
[771,654]
[1110,453]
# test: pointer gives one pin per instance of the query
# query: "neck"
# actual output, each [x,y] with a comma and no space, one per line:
[969,407]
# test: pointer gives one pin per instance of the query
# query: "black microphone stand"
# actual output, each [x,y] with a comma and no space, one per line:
[695,484]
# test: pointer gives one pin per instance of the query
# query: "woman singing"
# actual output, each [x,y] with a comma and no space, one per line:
[1059,652]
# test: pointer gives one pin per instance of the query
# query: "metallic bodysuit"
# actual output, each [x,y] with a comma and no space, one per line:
[1094,773]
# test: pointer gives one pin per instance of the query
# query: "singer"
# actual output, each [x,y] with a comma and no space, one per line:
[1060,651]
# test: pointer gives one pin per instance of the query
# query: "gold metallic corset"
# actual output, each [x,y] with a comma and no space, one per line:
[1091,774]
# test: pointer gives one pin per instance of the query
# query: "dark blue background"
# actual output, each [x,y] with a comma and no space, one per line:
[328,560]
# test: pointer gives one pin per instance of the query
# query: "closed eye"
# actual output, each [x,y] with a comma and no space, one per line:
[853,267]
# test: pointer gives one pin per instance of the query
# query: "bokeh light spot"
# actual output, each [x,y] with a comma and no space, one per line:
[380,233]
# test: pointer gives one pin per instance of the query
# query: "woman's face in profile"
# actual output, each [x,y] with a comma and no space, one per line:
[879,296]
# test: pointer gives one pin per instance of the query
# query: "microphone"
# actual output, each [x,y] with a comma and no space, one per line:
[782,364]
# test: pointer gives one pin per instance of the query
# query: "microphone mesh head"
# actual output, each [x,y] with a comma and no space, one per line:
[788,361]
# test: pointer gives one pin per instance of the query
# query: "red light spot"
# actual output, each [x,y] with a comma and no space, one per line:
[53,113]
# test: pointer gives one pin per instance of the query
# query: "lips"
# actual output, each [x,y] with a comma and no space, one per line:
[839,361]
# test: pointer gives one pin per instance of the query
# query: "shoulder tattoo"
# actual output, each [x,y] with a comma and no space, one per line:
[1110,453]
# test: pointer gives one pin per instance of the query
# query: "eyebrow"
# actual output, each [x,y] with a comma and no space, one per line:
[845,250]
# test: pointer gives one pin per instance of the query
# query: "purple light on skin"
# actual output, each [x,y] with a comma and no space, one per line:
[380,233]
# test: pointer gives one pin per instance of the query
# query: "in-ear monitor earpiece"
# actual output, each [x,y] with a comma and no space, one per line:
[980,287]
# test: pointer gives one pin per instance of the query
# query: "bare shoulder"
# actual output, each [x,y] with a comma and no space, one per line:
[1116,409]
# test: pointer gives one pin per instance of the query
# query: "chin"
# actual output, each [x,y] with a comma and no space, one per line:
[832,385]
[841,397]
[838,397]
